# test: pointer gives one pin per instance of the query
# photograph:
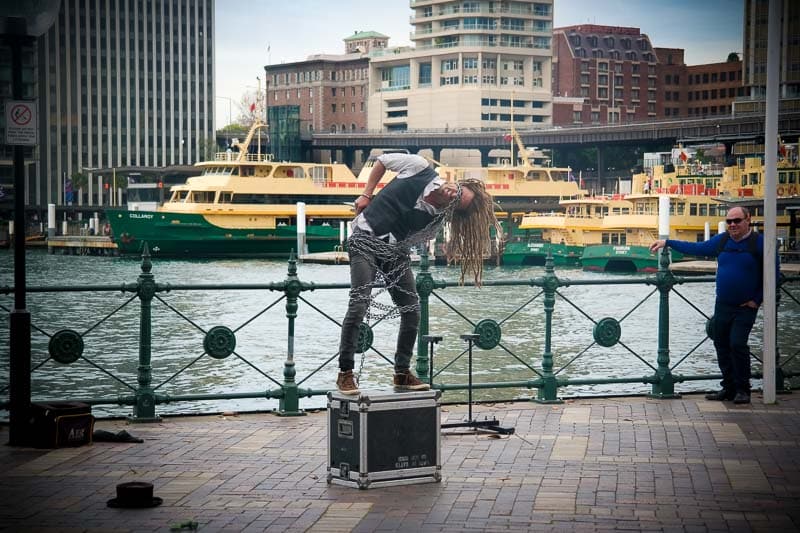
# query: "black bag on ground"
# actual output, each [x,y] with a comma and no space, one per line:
[61,424]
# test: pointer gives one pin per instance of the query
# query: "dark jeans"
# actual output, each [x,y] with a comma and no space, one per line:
[732,325]
[362,274]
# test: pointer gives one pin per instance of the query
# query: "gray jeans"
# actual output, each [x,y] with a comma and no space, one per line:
[362,274]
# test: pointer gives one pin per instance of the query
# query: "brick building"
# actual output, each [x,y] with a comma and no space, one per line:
[612,69]
[330,90]
[712,88]
[609,74]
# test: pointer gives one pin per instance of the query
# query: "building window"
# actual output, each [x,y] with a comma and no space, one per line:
[449,64]
[333,108]
[470,62]
[425,74]
[471,80]
[448,80]
[333,91]
[576,116]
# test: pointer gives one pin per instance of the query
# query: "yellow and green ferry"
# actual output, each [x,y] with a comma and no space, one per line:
[243,204]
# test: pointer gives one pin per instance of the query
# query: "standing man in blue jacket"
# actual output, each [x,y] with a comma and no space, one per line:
[739,253]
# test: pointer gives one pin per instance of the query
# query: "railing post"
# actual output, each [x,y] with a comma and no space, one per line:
[664,385]
[424,290]
[144,410]
[548,392]
[289,404]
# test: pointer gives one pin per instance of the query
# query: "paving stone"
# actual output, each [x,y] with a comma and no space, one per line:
[606,464]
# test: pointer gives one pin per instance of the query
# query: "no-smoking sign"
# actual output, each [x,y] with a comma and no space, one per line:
[21,122]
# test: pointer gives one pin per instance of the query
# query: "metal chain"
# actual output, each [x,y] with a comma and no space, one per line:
[390,261]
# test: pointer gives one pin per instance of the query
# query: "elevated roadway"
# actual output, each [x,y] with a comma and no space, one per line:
[723,129]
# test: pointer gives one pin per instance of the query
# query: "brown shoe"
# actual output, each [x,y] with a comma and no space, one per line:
[346,382]
[408,381]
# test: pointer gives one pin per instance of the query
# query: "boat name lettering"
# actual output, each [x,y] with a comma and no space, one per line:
[622,249]
[535,245]
[139,215]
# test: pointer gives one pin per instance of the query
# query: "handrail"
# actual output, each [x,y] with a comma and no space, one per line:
[544,366]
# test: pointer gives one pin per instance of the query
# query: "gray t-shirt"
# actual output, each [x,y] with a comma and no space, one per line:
[405,165]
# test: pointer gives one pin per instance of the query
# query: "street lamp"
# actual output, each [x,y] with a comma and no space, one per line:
[21,23]
[230,119]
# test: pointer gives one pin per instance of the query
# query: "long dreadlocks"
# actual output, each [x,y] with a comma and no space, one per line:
[470,239]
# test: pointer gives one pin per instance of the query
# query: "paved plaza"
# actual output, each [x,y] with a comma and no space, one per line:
[606,464]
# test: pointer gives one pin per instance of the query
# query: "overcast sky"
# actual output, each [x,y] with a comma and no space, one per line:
[259,32]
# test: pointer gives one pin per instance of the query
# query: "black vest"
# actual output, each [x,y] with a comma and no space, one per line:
[392,211]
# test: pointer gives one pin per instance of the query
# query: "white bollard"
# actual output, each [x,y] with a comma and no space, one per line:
[342,232]
[301,229]
[10,230]
[707,231]
[96,223]
[51,220]
[663,217]
[64,227]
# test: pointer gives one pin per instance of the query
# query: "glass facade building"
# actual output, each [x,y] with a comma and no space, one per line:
[122,83]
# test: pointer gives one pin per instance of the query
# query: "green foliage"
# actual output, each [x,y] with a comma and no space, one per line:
[79,180]
[733,57]
[207,148]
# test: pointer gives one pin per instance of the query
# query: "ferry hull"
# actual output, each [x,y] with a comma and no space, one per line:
[535,253]
[621,258]
[191,235]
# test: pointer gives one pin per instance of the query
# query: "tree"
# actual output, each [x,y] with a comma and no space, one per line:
[733,57]
[206,149]
[79,180]
[250,108]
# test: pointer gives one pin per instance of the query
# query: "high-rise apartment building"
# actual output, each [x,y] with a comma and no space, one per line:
[755,56]
[122,83]
[475,64]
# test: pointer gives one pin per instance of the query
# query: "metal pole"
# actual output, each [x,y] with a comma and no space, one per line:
[770,198]
[20,318]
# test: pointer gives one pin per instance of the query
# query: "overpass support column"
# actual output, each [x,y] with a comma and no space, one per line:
[348,156]
[484,156]
[600,165]
[437,154]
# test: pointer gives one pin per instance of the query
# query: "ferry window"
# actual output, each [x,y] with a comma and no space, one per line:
[225,197]
[606,238]
[180,196]
[792,177]
[703,210]
[202,197]
[781,177]
[712,210]
[680,209]
[723,210]
[693,209]
[235,171]
[754,178]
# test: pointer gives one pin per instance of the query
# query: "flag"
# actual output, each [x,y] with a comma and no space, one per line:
[252,107]
[782,150]
[507,137]
[683,156]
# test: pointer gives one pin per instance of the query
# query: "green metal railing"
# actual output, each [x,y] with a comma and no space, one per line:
[66,346]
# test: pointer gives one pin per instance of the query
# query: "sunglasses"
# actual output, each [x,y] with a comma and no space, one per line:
[733,220]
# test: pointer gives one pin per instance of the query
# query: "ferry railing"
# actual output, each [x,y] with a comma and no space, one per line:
[66,346]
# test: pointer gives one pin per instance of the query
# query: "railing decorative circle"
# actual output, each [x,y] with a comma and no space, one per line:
[65,346]
[710,327]
[607,332]
[365,338]
[219,342]
[489,332]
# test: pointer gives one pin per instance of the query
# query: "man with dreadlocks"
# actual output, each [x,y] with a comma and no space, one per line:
[409,211]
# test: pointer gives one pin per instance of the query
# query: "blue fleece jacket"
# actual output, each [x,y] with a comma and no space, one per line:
[738,272]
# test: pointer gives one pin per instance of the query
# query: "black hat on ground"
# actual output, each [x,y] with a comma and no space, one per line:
[135,495]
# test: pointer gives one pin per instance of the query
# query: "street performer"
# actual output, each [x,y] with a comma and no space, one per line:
[409,211]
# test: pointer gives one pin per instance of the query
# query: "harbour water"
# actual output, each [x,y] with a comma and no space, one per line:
[258,318]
